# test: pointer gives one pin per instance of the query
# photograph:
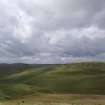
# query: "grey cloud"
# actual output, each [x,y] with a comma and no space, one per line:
[52,31]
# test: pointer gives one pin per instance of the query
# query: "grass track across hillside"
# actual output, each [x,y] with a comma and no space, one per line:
[57,99]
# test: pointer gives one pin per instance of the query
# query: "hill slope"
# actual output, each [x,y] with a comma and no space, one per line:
[82,78]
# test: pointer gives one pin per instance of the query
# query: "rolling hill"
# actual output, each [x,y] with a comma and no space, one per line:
[22,79]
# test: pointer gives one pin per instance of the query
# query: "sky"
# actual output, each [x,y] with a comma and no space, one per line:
[52,31]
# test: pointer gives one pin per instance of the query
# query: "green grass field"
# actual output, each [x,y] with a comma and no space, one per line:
[65,79]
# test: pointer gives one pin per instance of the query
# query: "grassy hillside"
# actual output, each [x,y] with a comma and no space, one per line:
[82,78]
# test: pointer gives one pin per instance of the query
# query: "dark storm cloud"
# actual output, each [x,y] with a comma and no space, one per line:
[52,31]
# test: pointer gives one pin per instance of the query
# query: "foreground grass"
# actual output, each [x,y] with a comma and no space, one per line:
[57,99]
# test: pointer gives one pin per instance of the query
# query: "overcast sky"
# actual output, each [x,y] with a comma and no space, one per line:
[52,31]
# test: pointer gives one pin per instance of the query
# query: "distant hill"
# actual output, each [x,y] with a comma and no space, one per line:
[6,69]
[24,79]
